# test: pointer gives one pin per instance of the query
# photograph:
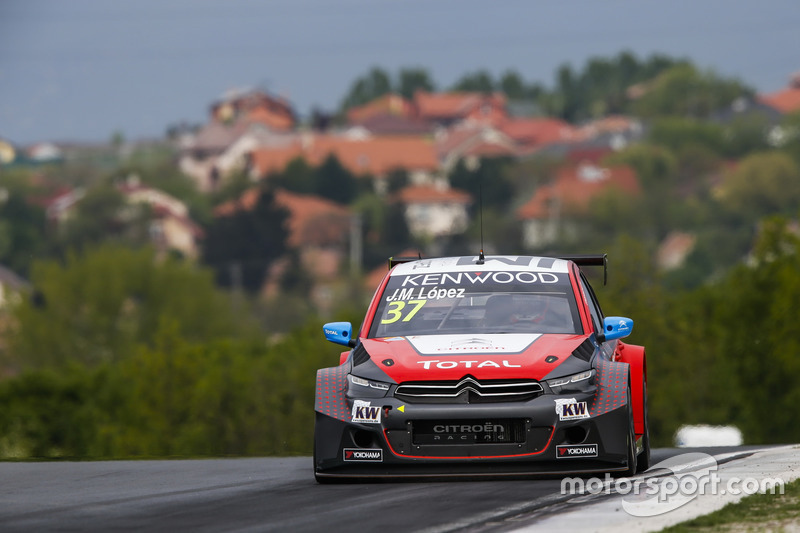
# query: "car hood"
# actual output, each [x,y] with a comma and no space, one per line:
[483,356]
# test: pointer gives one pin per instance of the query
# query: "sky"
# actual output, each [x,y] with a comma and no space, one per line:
[81,70]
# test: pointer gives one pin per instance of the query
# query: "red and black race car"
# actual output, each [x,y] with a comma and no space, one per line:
[496,365]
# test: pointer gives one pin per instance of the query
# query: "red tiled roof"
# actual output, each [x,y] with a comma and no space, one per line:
[487,149]
[275,121]
[240,104]
[275,159]
[376,156]
[454,105]
[466,137]
[539,131]
[396,125]
[575,186]
[312,219]
[388,104]
[426,194]
[785,101]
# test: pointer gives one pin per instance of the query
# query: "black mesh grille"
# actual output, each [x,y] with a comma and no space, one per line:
[468,390]
[360,355]
[585,350]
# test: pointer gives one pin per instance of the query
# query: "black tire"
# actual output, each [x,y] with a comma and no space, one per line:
[643,461]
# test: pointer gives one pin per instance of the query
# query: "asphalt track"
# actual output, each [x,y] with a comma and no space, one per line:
[263,494]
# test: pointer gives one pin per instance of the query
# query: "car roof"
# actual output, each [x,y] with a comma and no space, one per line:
[491,263]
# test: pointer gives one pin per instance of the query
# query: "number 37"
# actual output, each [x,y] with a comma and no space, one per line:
[395,311]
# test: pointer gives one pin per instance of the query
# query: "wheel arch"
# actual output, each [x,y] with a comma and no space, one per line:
[636,357]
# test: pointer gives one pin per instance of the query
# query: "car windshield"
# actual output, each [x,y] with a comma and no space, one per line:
[466,303]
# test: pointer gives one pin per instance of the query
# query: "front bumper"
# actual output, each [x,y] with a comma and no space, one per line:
[544,442]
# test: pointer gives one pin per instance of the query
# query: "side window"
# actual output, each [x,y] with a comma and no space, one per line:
[594,307]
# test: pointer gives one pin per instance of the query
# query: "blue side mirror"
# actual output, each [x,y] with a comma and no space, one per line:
[617,327]
[339,332]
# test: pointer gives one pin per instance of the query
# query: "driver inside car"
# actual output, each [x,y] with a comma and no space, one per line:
[508,309]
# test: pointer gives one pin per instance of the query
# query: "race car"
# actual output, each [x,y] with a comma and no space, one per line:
[483,366]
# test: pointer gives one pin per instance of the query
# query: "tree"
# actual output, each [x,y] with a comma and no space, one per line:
[298,176]
[397,180]
[384,228]
[760,344]
[488,183]
[787,136]
[654,164]
[764,183]
[100,302]
[600,88]
[22,231]
[684,91]
[240,247]
[480,81]
[513,86]
[104,216]
[367,88]
[678,132]
[335,182]
[411,80]
[746,134]
[656,169]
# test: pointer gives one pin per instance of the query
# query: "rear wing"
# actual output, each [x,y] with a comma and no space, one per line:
[398,260]
[590,260]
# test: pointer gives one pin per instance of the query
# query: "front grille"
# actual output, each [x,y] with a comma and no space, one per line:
[482,431]
[468,390]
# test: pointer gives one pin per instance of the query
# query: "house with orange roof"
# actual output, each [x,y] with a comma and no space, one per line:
[786,100]
[362,156]
[434,211]
[58,206]
[536,132]
[395,125]
[254,106]
[470,141]
[674,249]
[239,121]
[319,229]
[448,108]
[170,226]
[549,216]
[217,150]
[389,104]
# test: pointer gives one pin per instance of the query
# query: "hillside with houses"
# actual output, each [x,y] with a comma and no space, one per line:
[260,221]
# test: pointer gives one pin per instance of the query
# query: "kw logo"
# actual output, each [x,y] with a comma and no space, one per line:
[364,413]
[570,409]
[574,409]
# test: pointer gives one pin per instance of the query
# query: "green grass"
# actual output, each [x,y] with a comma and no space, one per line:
[759,512]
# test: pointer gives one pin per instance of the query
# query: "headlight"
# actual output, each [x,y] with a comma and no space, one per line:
[365,388]
[581,382]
